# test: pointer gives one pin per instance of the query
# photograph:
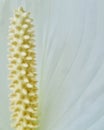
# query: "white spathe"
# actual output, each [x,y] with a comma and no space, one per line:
[70,56]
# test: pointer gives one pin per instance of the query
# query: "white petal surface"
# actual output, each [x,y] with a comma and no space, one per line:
[70,54]
[72,74]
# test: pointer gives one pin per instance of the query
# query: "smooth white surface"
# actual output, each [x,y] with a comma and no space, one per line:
[70,56]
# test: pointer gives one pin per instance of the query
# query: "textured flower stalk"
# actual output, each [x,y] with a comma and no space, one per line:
[24,94]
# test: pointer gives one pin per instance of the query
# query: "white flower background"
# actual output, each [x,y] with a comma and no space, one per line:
[70,58]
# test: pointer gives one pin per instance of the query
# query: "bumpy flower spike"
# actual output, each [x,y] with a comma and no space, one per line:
[24,95]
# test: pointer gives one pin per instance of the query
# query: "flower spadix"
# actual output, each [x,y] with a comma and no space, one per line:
[24,95]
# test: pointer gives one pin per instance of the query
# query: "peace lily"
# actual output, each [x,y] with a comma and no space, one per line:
[70,54]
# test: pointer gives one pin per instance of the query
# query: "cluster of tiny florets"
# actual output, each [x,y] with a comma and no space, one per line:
[24,94]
